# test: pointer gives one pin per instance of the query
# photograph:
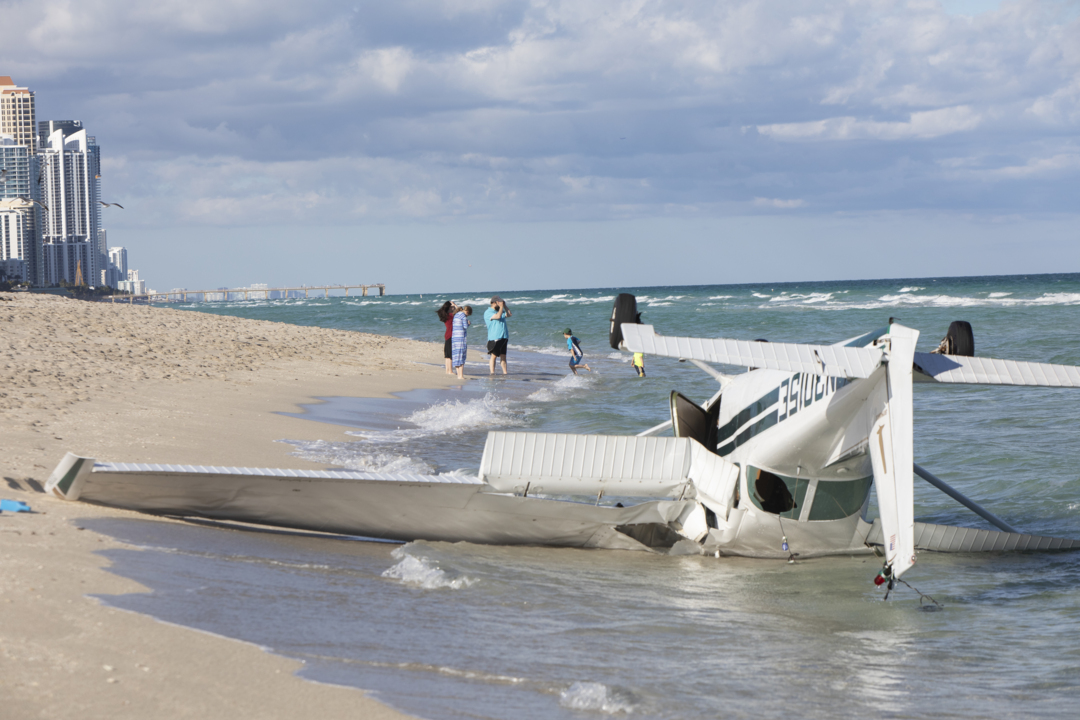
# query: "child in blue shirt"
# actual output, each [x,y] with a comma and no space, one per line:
[577,355]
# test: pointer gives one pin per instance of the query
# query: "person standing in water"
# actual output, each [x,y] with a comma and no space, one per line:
[577,355]
[446,315]
[498,334]
[459,340]
[639,364]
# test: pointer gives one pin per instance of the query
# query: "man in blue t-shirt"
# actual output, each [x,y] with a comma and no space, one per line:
[498,335]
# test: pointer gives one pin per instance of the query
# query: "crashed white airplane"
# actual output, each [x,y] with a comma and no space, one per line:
[779,463]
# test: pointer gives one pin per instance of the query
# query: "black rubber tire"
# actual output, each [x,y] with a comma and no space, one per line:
[960,340]
[623,311]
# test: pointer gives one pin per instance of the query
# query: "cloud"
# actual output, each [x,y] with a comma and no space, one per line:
[235,112]
[928,124]
[1040,168]
[778,203]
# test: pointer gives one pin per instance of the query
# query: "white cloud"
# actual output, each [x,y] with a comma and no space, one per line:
[921,125]
[779,203]
[1038,168]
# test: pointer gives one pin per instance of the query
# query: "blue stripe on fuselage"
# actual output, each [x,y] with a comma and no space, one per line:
[795,393]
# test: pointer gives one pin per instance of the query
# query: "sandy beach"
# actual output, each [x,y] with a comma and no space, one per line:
[149,384]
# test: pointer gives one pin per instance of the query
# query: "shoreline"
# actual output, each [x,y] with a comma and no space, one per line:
[148,384]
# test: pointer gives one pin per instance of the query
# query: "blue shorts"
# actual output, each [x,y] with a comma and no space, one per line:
[575,361]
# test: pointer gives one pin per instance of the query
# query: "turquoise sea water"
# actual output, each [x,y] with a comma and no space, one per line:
[464,631]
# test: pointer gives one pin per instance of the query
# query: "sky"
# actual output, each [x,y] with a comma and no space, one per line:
[456,145]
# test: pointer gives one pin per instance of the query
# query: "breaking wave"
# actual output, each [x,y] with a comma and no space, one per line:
[561,298]
[546,350]
[423,573]
[597,697]
[808,299]
[947,301]
[561,388]
[909,297]
[454,415]
[357,456]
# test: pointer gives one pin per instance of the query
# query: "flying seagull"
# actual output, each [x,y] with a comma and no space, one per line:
[32,201]
[105,204]
[3,175]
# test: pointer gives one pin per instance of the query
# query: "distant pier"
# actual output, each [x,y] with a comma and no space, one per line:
[224,294]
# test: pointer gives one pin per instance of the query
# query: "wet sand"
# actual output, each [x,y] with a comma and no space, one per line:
[137,384]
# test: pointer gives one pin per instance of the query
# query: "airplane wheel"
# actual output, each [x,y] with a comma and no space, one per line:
[624,311]
[959,340]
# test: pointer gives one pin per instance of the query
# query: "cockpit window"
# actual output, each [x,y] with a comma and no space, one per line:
[837,499]
[776,494]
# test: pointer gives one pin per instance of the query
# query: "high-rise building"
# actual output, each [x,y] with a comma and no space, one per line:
[23,241]
[133,284]
[17,114]
[70,181]
[118,268]
[16,238]
[45,128]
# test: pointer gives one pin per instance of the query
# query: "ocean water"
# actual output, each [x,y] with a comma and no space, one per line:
[445,630]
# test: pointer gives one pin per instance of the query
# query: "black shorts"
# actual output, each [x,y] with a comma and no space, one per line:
[448,349]
[497,347]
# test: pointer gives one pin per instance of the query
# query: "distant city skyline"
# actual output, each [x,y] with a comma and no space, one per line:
[441,146]
[50,201]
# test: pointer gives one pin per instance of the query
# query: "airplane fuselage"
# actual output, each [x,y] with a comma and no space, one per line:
[801,444]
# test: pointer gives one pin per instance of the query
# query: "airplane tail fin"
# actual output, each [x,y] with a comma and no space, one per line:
[892,454]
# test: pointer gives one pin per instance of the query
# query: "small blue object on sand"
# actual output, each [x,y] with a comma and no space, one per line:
[13,506]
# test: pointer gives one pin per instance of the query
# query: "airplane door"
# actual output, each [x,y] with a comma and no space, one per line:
[688,419]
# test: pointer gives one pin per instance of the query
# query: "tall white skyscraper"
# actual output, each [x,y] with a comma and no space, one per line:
[70,181]
[16,238]
[21,241]
[118,267]
[17,113]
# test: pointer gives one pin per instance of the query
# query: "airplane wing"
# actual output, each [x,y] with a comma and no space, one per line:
[849,362]
[450,508]
[930,367]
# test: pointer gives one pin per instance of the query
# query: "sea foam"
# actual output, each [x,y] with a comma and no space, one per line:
[357,456]
[454,415]
[424,573]
[595,696]
[562,388]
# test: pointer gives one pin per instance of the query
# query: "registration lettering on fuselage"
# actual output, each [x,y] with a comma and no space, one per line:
[794,394]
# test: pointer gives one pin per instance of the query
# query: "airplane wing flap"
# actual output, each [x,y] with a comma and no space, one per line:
[851,362]
[991,371]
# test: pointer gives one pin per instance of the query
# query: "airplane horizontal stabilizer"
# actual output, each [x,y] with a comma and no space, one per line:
[947,538]
[834,360]
[989,371]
